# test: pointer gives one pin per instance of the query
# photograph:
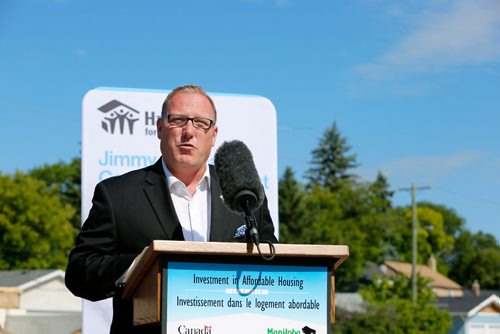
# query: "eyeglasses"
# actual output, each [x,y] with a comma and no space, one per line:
[200,123]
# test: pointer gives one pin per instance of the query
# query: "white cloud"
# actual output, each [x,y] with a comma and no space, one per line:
[278,3]
[81,53]
[283,3]
[489,170]
[428,170]
[430,165]
[468,32]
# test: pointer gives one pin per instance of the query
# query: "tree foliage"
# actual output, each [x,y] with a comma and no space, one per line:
[291,208]
[397,316]
[35,228]
[453,224]
[64,179]
[331,162]
[381,195]
[328,224]
[432,237]
[475,256]
[340,209]
[384,289]
[390,310]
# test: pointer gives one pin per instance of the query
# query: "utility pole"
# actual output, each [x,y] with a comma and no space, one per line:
[414,229]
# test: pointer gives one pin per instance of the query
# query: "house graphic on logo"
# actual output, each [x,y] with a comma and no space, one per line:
[118,115]
[308,330]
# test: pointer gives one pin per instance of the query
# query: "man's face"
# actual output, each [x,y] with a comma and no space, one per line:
[187,148]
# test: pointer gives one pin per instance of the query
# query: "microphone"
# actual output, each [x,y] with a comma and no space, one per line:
[240,183]
[238,177]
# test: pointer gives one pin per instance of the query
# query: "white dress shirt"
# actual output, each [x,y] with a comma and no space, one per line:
[193,211]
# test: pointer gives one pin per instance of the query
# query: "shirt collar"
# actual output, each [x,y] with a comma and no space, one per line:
[172,180]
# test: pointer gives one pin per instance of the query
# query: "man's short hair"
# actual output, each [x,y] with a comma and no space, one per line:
[190,89]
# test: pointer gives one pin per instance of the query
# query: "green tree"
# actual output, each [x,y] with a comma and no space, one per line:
[453,224]
[328,223]
[384,289]
[475,256]
[341,210]
[390,310]
[381,195]
[35,228]
[291,208]
[64,179]
[359,215]
[378,220]
[331,161]
[432,237]
[485,267]
[396,317]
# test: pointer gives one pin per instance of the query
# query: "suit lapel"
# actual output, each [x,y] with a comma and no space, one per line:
[156,190]
[218,212]
[221,223]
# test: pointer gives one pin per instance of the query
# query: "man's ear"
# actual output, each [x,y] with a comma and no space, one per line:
[216,130]
[159,127]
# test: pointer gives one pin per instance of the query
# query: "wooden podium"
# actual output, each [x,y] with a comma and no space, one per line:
[145,280]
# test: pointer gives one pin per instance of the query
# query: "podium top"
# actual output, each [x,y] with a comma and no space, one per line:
[334,253]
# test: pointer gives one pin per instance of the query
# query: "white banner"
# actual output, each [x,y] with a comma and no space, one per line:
[119,135]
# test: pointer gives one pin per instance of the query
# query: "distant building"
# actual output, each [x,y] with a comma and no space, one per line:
[441,285]
[474,313]
[350,302]
[37,301]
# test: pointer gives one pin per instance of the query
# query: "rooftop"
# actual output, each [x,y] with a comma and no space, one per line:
[437,279]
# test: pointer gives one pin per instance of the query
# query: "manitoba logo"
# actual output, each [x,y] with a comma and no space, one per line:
[305,330]
[118,117]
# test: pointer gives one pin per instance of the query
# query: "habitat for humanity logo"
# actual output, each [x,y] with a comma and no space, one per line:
[118,116]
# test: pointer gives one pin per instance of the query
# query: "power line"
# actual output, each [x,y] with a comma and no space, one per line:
[23,110]
[468,196]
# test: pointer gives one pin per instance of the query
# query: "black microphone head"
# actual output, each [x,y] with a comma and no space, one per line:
[238,177]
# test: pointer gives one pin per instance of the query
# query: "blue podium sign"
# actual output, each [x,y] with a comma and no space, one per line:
[216,298]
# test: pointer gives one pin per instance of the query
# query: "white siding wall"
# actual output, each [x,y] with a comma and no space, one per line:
[50,296]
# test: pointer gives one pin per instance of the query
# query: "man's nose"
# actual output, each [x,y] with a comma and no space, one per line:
[188,128]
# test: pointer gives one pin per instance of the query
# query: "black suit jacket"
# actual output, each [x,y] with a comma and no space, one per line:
[128,212]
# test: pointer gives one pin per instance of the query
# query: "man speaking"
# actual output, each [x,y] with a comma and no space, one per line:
[177,198]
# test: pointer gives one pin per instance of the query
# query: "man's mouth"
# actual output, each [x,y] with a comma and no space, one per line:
[186,146]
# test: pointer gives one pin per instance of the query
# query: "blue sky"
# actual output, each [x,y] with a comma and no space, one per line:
[413,85]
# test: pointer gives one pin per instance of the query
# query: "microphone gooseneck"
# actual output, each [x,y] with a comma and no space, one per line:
[242,191]
[250,223]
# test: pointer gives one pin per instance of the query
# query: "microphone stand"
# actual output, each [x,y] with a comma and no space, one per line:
[253,233]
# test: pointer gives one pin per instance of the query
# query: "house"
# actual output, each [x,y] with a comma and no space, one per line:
[441,285]
[474,313]
[350,302]
[37,301]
